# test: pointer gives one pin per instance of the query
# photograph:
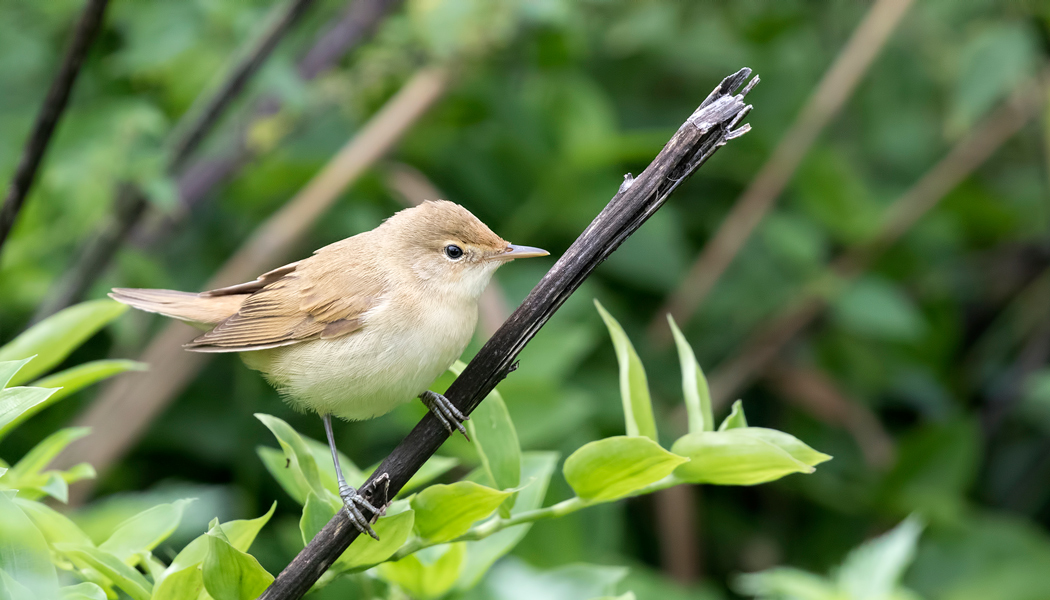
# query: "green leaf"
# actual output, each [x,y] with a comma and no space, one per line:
[625,596]
[230,574]
[874,570]
[83,591]
[11,589]
[694,384]
[302,463]
[786,582]
[8,368]
[614,467]
[55,527]
[634,389]
[240,534]
[536,471]
[435,467]
[735,420]
[316,514]
[42,454]
[745,456]
[323,458]
[180,585]
[52,339]
[393,532]
[144,531]
[79,377]
[495,439]
[123,576]
[444,512]
[18,404]
[280,468]
[429,573]
[24,553]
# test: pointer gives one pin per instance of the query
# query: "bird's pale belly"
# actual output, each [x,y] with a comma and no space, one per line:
[362,375]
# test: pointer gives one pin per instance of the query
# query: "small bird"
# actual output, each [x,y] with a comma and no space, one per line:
[361,326]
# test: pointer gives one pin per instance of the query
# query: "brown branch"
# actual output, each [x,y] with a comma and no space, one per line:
[709,128]
[126,407]
[769,339]
[50,112]
[413,187]
[823,105]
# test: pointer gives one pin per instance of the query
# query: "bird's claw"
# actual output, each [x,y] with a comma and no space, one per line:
[353,502]
[445,411]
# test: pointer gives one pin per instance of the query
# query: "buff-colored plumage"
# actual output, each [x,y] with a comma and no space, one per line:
[364,324]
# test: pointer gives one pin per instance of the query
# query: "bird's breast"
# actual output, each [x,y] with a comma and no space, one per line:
[401,349]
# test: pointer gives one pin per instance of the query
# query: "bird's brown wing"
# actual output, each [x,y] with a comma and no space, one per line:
[323,297]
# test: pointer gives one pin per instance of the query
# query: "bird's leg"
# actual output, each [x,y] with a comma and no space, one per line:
[352,501]
[445,411]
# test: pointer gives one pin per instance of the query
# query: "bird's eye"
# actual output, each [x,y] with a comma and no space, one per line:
[453,251]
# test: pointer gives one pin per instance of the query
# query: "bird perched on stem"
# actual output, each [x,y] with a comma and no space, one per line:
[363,325]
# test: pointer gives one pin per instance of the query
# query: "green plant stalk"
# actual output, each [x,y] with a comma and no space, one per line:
[484,530]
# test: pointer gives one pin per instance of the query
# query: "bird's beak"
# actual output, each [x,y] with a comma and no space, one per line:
[514,251]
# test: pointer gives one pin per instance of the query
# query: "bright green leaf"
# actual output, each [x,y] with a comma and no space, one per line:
[302,461]
[123,576]
[11,589]
[495,439]
[444,512]
[42,454]
[83,591]
[179,585]
[744,456]
[18,404]
[316,514]
[429,573]
[614,467]
[536,471]
[52,339]
[694,384]
[634,388]
[23,551]
[873,570]
[240,534]
[393,532]
[435,467]
[144,531]
[735,420]
[79,377]
[323,459]
[55,527]
[230,574]
[786,582]
[8,368]
[280,468]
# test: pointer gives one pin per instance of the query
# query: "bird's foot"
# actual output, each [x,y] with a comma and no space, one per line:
[353,502]
[383,480]
[445,411]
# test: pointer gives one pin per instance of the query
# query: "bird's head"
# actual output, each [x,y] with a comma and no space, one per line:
[450,250]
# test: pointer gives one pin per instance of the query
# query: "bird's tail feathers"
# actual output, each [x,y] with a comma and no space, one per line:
[185,306]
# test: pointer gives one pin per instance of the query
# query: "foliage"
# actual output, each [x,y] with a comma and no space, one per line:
[442,537]
[552,104]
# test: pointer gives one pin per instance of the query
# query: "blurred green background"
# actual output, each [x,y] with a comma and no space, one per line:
[940,347]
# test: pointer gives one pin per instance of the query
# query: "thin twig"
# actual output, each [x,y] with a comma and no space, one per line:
[823,105]
[139,400]
[770,338]
[50,112]
[198,122]
[695,141]
[197,179]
